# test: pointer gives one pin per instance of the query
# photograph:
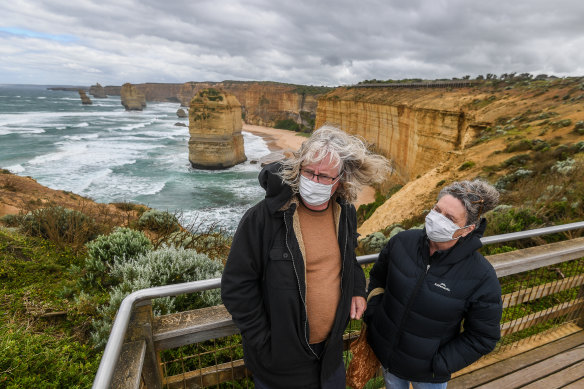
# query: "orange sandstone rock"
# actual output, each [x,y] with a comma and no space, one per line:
[215,125]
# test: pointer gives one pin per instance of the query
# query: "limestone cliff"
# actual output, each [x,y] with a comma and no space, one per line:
[97,91]
[263,103]
[215,125]
[414,136]
[132,100]
[85,100]
[439,135]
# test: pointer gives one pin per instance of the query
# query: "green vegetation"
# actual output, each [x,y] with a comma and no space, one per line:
[43,331]
[311,90]
[165,266]
[467,165]
[57,300]
[159,221]
[287,124]
[366,210]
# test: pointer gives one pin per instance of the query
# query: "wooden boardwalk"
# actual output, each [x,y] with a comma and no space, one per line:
[553,364]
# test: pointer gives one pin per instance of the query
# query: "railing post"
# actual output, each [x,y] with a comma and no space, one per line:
[581,319]
[140,328]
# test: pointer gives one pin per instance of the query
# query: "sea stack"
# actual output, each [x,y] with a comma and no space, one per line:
[85,100]
[132,100]
[97,91]
[215,128]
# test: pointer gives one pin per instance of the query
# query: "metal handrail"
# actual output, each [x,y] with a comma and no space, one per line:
[114,345]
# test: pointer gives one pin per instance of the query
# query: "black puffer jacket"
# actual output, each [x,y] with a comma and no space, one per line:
[415,326]
[263,287]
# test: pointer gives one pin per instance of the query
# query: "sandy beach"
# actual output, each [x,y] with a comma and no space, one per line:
[282,142]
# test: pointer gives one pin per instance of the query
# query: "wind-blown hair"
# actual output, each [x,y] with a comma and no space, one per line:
[477,197]
[358,165]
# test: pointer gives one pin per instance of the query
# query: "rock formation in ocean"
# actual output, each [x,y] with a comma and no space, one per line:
[132,100]
[85,100]
[181,113]
[215,125]
[97,91]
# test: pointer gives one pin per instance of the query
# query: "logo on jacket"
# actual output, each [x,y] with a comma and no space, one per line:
[442,285]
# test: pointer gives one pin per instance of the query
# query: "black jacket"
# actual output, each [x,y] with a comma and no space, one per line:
[438,314]
[263,287]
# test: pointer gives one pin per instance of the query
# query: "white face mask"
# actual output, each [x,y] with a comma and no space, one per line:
[439,228]
[314,193]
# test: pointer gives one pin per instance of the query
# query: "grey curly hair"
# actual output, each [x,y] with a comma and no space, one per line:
[358,165]
[477,196]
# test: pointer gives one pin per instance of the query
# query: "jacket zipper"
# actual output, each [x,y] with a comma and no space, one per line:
[344,257]
[299,291]
[410,302]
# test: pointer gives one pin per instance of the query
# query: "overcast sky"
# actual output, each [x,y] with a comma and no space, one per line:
[81,42]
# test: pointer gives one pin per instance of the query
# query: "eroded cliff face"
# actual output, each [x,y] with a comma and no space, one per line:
[416,134]
[215,125]
[262,103]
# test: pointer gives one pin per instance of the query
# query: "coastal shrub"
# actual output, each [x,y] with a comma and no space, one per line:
[505,182]
[466,165]
[158,221]
[165,266]
[522,145]
[373,243]
[123,244]
[215,244]
[365,211]
[287,124]
[61,225]
[512,219]
[561,123]
[10,220]
[579,127]
[517,160]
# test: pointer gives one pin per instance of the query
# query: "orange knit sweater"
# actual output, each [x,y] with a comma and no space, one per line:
[323,270]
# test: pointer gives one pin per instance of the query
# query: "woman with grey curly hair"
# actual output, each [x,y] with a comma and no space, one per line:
[435,302]
[292,280]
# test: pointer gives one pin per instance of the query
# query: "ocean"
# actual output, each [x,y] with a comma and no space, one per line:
[105,153]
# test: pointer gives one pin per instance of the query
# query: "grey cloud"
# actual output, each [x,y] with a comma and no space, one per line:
[327,42]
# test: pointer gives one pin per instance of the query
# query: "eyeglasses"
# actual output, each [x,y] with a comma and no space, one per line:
[320,178]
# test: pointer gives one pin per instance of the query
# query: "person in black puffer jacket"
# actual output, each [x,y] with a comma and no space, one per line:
[440,306]
[292,280]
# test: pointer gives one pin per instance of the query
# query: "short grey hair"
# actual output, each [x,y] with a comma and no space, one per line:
[358,165]
[477,197]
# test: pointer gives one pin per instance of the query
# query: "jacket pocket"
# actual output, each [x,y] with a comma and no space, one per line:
[280,273]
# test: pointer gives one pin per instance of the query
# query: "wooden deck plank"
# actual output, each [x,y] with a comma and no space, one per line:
[561,378]
[179,329]
[538,370]
[516,363]
[575,385]
[128,372]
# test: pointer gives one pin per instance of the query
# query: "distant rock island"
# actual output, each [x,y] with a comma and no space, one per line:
[132,100]
[97,91]
[215,126]
[85,100]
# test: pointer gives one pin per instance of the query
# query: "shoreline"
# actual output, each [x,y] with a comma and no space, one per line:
[283,143]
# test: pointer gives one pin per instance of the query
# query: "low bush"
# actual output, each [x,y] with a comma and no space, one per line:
[287,124]
[158,221]
[121,244]
[156,268]
[466,165]
[61,225]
